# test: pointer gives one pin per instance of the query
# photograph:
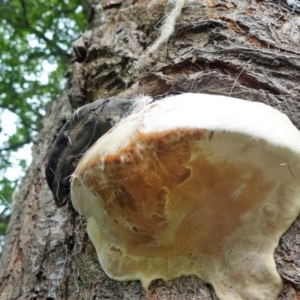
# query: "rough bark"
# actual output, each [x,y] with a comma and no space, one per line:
[248,49]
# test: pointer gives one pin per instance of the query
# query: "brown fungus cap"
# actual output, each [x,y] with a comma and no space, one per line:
[193,184]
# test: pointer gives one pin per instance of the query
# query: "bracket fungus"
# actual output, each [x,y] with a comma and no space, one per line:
[193,184]
[79,133]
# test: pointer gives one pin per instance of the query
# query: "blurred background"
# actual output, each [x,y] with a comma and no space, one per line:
[35,49]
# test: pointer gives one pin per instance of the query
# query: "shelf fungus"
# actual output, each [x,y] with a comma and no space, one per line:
[193,184]
[77,135]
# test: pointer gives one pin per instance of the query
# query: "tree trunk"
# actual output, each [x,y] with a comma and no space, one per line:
[247,49]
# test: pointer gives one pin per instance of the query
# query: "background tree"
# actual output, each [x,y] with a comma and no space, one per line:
[248,49]
[35,44]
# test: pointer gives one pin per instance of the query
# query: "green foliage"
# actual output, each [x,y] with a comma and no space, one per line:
[35,46]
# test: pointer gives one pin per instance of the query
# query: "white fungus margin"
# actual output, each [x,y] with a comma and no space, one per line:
[193,184]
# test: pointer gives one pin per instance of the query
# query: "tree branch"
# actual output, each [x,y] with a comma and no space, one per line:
[16,145]
[23,4]
[52,46]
